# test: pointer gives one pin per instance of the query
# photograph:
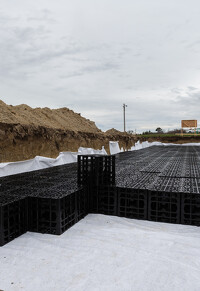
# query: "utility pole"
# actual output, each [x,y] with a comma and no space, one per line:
[124,110]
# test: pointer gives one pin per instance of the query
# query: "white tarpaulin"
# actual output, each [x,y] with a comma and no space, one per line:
[90,151]
[104,253]
[25,166]
[146,144]
[114,147]
[66,158]
[40,162]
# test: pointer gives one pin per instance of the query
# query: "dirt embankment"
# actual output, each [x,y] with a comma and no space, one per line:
[20,142]
[26,132]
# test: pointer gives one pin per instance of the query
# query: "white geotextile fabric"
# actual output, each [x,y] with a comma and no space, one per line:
[104,253]
[40,162]
[147,144]
[114,147]
[90,151]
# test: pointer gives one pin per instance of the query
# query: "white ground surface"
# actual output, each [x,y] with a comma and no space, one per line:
[104,253]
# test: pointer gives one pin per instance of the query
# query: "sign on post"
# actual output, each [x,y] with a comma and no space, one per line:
[188,123]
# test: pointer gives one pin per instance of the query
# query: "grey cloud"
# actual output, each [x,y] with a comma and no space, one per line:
[175,90]
[101,67]
[25,48]
[90,69]
[191,99]
[95,59]
[45,15]
[193,44]
[191,88]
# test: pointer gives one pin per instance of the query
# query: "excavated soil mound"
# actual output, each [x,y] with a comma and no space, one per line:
[62,118]
[26,132]
[114,131]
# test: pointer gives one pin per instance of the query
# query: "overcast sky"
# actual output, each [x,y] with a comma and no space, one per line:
[94,55]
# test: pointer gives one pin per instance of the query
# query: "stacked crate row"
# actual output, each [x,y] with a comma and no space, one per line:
[171,177]
[45,201]
[147,201]
[52,200]
[158,184]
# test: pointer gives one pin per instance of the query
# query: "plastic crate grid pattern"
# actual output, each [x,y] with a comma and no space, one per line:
[164,206]
[190,209]
[13,218]
[132,203]
[44,215]
[107,200]
[82,203]
[96,170]
[47,215]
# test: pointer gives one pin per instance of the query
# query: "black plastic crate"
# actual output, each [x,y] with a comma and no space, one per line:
[57,172]
[156,166]
[136,180]
[190,209]
[102,199]
[44,215]
[13,218]
[92,194]
[190,185]
[164,206]
[166,184]
[96,170]
[55,215]
[82,203]
[107,200]
[54,191]
[132,203]
[68,215]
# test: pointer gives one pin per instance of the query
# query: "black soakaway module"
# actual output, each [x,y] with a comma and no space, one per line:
[102,199]
[56,215]
[97,173]
[44,215]
[164,206]
[13,218]
[92,194]
[96,170]
[82,203]
[132,203]
[107,200]
[190,209]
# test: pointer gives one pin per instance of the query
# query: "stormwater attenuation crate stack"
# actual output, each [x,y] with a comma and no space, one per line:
[44,201]
[160,183]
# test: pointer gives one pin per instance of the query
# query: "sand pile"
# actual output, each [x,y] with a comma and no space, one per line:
[114,132]
[62,118]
